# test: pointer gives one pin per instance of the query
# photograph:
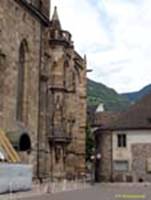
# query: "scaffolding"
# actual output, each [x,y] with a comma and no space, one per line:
[9,151]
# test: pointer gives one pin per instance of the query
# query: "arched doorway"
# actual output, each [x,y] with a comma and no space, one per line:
[24,142]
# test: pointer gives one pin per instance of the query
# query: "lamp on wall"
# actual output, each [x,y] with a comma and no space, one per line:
[98,156]
[94,158]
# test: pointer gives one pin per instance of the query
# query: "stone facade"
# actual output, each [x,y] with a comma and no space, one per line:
[131,163]
[104,147]
[139,171]
[130,142]
[43,89]
[135,155]
[141,154]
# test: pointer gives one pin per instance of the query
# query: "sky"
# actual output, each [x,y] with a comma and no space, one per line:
[116,37]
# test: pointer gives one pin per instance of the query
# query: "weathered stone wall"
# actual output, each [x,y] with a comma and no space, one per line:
[67,108]
[104,147]
[54,91]
[76,103]
[141,153]
[42,5]
[16,25]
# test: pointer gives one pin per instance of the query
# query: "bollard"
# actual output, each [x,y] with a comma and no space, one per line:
[48,188]
[64,185]
[53,187]
[75,184]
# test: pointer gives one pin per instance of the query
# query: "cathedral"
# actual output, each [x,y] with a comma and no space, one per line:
[42,89]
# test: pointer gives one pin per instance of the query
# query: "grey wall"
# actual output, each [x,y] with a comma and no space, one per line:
[15,177]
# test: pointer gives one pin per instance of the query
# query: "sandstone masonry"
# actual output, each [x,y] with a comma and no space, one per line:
[43,89]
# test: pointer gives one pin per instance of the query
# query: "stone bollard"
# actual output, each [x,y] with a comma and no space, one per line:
[47,188]
[75,184]
[64,185]
[53,187]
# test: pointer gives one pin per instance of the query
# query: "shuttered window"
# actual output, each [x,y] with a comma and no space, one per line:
[121,140]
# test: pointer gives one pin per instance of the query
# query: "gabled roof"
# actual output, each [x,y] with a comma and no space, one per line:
[138,116]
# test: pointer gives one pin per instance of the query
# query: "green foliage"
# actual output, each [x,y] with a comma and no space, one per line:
[99,93]
[89,142]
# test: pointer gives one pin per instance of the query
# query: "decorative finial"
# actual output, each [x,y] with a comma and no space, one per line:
[55,19]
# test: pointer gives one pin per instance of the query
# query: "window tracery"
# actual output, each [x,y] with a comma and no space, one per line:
[21,80]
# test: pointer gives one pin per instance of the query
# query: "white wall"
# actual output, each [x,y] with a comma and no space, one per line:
[133,137]
[15,177]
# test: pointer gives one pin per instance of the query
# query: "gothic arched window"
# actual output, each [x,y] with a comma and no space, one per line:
[21,81]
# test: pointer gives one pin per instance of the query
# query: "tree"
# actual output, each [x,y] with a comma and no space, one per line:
[89,142]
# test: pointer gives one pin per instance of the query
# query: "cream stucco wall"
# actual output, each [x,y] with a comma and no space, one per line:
[133,137]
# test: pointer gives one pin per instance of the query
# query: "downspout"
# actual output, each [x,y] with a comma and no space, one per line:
[39,87]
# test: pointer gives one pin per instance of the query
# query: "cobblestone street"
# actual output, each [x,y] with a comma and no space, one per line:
[99,192]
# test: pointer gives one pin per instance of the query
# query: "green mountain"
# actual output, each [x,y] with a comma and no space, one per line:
[136,96]
[99,93]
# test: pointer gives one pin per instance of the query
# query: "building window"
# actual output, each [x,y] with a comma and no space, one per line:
[120,165]
[121,140]
[21,81]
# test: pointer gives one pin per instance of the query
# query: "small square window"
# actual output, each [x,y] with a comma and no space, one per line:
[121,165]
[121,140]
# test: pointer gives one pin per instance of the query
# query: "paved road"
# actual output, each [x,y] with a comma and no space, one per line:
[103,192]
